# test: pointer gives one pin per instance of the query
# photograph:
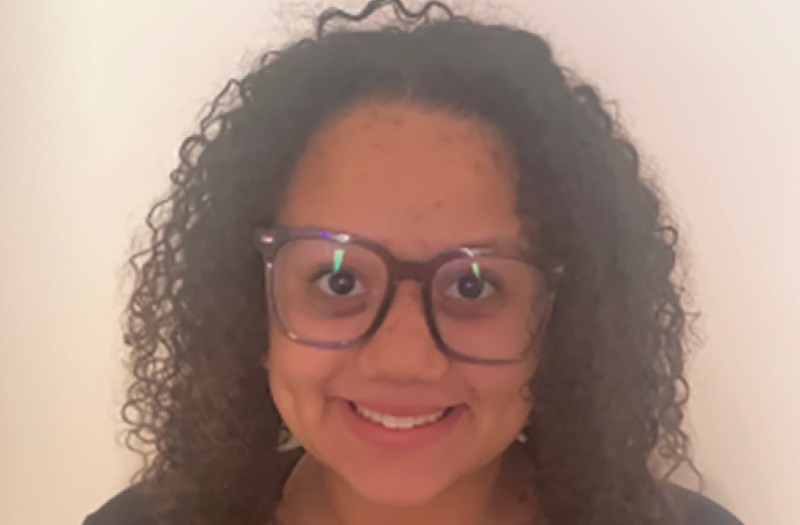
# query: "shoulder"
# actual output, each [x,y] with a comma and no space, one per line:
[126,508]
[700,510]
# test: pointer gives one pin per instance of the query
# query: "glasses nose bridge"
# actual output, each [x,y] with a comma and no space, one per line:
[411,270]
[400,270]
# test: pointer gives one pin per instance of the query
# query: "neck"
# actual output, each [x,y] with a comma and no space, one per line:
[469,501]
[501,492]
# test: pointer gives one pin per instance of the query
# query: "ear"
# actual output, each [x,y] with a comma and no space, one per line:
[265,361]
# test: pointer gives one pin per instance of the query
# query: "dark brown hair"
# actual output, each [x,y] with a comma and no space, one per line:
[609,391]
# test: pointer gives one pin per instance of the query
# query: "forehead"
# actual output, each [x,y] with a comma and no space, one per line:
[417,179]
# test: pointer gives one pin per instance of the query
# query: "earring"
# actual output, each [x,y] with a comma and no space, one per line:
[522,437]
[286,440]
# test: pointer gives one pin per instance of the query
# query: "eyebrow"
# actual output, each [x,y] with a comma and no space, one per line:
[514,243]
[500,243]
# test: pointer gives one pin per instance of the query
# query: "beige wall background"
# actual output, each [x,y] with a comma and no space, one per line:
[96,95]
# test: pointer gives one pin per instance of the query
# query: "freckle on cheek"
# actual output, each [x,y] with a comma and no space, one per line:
[415,214]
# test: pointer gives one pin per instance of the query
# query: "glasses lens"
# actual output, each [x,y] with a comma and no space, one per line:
[325,291]
[489,307]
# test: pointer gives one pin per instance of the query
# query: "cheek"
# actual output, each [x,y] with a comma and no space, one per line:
[502,395]
[299,377]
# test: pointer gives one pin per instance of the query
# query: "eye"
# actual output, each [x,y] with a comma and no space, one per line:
[341,283]
[470,286]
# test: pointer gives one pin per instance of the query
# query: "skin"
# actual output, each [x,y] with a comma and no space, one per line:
[363,172]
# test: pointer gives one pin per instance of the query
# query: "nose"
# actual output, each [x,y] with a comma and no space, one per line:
[402,350]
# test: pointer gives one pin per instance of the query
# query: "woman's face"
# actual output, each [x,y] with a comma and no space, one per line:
[419,181]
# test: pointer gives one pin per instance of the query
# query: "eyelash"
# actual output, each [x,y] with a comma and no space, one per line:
[486,276]
[323,270]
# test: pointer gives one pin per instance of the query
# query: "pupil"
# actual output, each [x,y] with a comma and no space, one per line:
[470,287]
[342,283]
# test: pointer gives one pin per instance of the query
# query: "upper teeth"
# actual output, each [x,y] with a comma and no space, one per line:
[398,422]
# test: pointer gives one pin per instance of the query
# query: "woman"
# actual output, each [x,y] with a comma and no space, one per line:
[408,275]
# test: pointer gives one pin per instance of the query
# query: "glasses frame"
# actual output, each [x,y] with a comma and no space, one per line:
[269,241]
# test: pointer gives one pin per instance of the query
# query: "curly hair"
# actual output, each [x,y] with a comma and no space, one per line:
[605,429]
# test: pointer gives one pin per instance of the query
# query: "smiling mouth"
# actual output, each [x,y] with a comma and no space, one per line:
[399,422]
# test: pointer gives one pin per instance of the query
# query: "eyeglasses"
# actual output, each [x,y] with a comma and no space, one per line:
[484,304]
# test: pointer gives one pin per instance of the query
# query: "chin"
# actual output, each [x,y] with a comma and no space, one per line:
[394,488]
